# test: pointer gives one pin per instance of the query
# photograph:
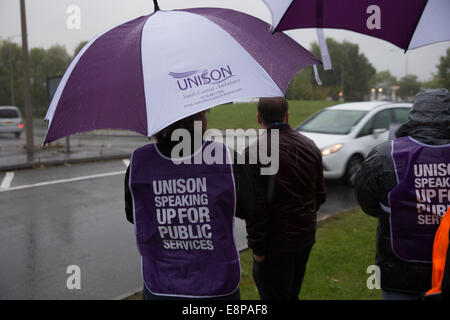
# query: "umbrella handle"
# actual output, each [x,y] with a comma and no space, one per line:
[155,3]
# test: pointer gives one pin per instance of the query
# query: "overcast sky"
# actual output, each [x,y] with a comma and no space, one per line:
[47,25]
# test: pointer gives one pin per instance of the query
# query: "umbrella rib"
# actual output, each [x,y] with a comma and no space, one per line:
[284,14]
[155,3]
[417,24]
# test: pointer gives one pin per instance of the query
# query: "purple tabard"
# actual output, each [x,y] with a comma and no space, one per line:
[420,199]
[184,217]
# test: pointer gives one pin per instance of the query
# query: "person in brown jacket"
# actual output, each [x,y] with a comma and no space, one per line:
[287,203]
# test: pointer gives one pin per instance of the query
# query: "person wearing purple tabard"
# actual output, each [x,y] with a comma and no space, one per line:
[183,211]
[405,183]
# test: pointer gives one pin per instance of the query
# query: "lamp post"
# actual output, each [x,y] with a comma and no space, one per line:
[26,85]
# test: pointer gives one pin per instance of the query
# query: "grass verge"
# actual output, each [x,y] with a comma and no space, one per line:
[336,270]
[337,266]
[243,115]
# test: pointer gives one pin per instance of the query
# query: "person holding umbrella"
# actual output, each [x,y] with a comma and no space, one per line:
[183,212]
[150,75]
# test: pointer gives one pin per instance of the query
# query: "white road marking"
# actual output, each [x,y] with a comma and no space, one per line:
[6,182]
[126,162]
[46,183]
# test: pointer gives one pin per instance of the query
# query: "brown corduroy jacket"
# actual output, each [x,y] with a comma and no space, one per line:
[288,201]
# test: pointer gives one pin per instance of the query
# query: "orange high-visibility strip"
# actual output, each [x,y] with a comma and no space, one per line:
[440,247]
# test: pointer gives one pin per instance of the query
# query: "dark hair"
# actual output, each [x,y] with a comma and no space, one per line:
[272,109]
[185,123]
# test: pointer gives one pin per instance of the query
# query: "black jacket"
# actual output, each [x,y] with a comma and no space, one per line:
[288,201]
[428,122]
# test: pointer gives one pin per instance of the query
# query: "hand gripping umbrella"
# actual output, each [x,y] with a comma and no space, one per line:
[150,72]
[408,24]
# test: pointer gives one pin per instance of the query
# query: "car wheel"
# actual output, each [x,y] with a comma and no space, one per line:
[353,166]
[17,134]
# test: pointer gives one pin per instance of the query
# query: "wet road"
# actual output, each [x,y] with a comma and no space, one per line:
[46,228]
[56,217]
[53,218]
[73,215]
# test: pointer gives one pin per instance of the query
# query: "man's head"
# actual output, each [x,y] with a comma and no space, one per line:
[185,123]
[272,110]
[431,109]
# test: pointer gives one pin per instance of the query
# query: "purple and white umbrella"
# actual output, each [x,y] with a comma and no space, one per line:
[155,70]
[408,24]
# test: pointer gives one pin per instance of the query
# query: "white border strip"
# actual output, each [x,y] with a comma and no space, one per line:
[6,182]
[47,183]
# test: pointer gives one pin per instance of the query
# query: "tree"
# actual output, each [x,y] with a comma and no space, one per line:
[43,64]
[432,84]
[300,87]
[443,75]
[387,83]
[38,77]
[351,73]
[11,77]
[56,60]
[79,47]
[383,79]
[409,87]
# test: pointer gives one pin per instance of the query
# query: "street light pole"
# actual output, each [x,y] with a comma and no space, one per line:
[26,85]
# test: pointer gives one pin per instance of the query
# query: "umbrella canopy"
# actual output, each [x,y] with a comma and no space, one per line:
[155,70]
[408,24]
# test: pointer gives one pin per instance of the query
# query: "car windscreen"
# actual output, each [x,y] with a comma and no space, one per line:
[8,114]
[333,121]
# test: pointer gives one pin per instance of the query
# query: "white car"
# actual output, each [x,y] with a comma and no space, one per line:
[347,132]
[11,120]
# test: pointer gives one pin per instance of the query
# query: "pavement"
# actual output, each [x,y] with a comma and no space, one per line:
[87,147]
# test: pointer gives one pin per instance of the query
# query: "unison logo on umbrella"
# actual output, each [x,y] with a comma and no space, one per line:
[198,78]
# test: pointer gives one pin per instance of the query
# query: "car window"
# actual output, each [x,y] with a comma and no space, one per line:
[8,113]
[381,120]
[333,121]
[367,129]
[401,115]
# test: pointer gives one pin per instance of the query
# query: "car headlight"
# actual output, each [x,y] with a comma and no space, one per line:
[332,149]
